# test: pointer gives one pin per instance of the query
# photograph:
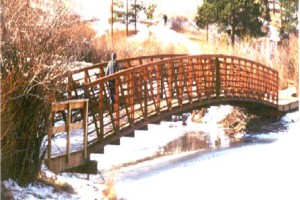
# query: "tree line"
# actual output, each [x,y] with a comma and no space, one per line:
[240,18]
[123,10]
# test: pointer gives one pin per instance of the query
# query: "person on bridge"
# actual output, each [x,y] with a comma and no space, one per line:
[112,67]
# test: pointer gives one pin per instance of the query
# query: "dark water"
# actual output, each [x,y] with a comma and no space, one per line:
[191,141]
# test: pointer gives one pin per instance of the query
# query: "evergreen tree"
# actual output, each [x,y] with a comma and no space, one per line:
[135,9]
[236,17]
[289,16]
[205,16]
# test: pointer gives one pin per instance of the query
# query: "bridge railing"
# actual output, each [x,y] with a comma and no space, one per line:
[146,92]
[93,72]
[150,89]
[78,78]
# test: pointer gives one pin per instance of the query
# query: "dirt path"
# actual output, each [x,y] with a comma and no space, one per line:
[167,37]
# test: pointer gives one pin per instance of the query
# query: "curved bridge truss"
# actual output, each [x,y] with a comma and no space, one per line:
[153,87]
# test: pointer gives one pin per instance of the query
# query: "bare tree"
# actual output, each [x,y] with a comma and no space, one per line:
[37,44]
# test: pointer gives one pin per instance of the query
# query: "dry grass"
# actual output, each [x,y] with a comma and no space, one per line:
[284,58]
[109,191]
[125,48]
[58,186]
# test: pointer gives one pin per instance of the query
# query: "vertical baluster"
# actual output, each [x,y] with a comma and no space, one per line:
[117,105]
[68,131]
[190,80]
[217,74]
[51,116]
[101,112]
[198,79]
[158,89]
[180,83]
[85,127]
[145,94]
[169,78]
[69,85]
[131,97]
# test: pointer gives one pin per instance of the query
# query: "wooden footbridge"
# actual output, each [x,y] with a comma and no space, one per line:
[149,89]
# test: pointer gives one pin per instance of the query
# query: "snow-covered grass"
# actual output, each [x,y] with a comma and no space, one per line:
[84,189]
[144,145]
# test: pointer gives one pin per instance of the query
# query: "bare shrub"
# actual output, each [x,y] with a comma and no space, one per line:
[178,23]
[79,36]
[36,53]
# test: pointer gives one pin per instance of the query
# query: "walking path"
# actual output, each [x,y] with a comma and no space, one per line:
[287,100]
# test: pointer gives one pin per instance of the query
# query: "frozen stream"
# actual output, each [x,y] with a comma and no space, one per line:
[266,166]
[259,169]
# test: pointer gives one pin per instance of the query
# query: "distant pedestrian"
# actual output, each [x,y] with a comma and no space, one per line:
[165,20]
[112,67]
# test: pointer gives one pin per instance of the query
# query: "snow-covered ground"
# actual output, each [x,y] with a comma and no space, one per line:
[255,171]
[145,144]
[166,36]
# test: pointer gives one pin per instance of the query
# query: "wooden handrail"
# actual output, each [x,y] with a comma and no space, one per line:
[69,126]
[127,60]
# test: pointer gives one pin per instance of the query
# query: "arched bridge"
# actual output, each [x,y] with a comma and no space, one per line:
[151,88]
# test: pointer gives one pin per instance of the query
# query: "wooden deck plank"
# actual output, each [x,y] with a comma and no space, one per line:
[287,100]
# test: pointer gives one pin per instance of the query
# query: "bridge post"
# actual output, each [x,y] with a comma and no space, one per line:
[69,121]
[51,120]
[85,128]
[218,82]
[69,89]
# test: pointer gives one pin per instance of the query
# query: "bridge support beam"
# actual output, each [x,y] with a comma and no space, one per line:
[130,134]
[90,167]
[116,142]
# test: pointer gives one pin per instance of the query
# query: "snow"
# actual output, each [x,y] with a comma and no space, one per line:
[261,171]
[251,172]
[145,144]
[166,36]
[257,171]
